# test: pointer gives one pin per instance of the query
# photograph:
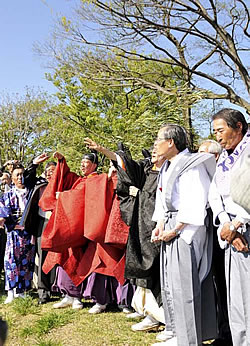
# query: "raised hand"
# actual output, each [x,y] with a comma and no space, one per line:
[40,158]
[91,144]
[58,156]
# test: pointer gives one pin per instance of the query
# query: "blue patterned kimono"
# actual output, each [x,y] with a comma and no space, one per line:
[19,253]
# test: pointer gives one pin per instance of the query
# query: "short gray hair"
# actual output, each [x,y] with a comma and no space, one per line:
[214,147]
[177,133]
[8,174]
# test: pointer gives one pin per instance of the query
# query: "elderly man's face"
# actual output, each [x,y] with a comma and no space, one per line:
[49,172]
[157,159]
[87,167]
[17,178]
[162,145]
[228,137]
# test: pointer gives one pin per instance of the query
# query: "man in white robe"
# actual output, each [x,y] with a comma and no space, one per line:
[180,212]
[231,130]
[218,265]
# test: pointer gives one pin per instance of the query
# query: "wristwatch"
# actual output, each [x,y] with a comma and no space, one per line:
[232,227]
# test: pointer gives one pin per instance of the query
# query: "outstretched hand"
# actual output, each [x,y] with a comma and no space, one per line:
[91,144]
[40,158]
[94,146]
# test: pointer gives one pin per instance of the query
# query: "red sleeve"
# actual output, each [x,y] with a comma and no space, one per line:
[81,213]
[98,203]
[61,180]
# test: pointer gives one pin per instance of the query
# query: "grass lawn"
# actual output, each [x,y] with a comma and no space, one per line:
[30,324]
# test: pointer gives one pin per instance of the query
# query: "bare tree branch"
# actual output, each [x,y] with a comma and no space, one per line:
[205,40]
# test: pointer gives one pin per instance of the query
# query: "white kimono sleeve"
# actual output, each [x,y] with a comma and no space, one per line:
[159,211]
[193,196]
[220,216]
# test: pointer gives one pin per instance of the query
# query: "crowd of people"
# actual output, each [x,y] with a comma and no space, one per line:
[165,238]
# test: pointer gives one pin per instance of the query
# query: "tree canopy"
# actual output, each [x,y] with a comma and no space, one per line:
[208,40]
[30,126]
[22,125]
[123,113]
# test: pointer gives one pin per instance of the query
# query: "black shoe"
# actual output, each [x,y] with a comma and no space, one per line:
[43,301]
[222,342]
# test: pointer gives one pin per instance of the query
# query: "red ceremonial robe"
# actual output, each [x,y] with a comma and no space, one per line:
[85,233]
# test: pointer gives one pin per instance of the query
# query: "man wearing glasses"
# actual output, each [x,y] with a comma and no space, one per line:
[181,215]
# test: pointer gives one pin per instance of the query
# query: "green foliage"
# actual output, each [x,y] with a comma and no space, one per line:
[30,125]
[109,113]
[26,331]
[52,320]
[70,327]
[46,323]
[24,122]
[25,306]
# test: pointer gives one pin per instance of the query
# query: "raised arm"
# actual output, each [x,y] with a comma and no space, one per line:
[58,155]
[30,172]
[93,145]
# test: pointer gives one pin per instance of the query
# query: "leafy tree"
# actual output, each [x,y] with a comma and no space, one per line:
[110,112]
[22,125]
[30,126]
[207,39]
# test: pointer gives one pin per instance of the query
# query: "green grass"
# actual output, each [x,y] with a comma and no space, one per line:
[30,325]
[47,322]
[25,306]
[48,343]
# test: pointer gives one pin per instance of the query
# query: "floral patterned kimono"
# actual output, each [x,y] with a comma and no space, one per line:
[19,253]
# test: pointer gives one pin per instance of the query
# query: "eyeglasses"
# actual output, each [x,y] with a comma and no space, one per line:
[159,139]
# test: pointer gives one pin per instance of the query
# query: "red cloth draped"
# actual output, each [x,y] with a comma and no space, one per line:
[116,231]
[85,233]
[61,180]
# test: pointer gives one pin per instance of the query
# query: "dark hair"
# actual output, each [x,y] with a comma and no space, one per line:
[3,330]
[50,163]
[17,165]
[92,157]
[178,134]
[232,117]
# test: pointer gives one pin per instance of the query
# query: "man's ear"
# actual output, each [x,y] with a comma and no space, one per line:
[171,142]
[239,125]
